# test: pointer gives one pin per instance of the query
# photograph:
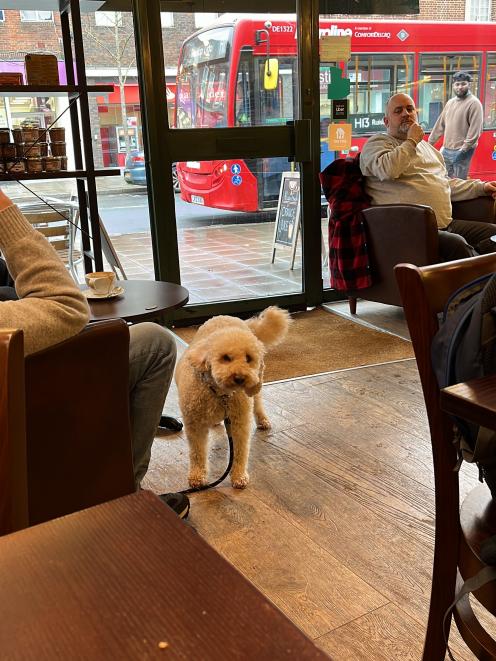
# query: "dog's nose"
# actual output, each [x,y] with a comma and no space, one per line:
[239,380]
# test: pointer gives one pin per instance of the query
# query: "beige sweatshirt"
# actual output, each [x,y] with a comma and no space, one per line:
[51,307]
[460,123]
[397,171]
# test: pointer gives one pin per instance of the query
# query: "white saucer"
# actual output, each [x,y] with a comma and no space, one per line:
[92,295]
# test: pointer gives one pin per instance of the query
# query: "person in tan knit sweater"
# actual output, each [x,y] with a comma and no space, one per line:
[51,308]
[461,123]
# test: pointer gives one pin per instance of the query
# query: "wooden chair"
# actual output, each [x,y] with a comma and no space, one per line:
[407,233]
[58,226]
[13,474]
[458,533]
[78,436]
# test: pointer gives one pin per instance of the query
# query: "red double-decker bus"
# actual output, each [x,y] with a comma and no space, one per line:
[222,82]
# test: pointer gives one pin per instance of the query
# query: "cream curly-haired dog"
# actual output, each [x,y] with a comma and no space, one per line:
[219,376]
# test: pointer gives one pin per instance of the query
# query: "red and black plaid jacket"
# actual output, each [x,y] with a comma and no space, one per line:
[343,186]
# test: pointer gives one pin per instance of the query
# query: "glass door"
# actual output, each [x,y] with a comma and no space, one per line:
[237,129]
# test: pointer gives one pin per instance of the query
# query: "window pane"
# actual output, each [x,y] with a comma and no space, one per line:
[226,208]
[36,15]
[108,18]
[202,19]
[436,81]
[167,19]
[478,10]
[490,100]
[373,79]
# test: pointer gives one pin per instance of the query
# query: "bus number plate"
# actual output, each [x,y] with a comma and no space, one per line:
[197,199]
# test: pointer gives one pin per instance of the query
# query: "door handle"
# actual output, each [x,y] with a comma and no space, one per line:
[303,140]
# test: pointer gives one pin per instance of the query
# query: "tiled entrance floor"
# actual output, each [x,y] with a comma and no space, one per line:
[221,263]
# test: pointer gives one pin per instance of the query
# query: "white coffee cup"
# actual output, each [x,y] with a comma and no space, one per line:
[101,282]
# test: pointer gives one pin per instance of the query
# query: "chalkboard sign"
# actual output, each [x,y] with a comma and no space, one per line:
[288,213]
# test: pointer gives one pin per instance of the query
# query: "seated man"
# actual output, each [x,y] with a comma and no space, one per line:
[401,167]
[51,308]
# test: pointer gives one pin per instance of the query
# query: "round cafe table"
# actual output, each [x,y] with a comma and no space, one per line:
[142,300]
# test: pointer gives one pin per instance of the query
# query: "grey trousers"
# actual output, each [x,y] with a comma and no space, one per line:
[466,238]
[152,356]
[477,234]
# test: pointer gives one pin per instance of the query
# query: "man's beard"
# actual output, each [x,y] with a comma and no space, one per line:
[404,127]
[461,93]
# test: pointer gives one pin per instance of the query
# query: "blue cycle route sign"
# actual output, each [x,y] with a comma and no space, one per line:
[236,168]
[237,180]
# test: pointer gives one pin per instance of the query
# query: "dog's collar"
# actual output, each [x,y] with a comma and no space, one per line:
[206,378]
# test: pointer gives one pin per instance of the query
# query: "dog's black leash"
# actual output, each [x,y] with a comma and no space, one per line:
[227,425]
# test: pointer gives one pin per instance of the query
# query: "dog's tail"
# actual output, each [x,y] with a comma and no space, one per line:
[270,326]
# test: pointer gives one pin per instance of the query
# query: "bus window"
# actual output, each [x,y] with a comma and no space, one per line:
[243,102]
[277,106]
[490,96]
[202,80]
[374,78]
[435,82]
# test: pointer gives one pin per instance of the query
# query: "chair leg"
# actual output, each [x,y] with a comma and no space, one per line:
[352,302]
[444,570]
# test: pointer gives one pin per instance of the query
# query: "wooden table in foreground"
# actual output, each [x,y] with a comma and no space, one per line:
[116,580]
[473,400]
[142,300]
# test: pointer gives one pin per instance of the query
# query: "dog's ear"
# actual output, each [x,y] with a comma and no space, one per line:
[198,356]
[254,390]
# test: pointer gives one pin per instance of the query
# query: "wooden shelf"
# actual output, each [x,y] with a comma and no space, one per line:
[63,174]
[52,90]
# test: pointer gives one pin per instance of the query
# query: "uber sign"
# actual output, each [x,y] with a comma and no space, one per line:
[340,109]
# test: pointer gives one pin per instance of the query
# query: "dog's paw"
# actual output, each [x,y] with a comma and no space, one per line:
[263,423]
[197,478]
[240,481]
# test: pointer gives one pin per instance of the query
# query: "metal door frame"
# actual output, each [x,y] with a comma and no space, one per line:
[163,146]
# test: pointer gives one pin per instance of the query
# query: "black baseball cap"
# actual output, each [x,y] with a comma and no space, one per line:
[461,76]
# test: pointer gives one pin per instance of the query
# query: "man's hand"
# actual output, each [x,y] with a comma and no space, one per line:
[490,188]
[4,201]
[415,133]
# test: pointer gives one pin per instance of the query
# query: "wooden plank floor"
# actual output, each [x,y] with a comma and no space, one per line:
[336,526]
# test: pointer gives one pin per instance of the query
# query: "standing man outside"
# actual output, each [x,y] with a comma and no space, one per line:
[461,124]
[401,167]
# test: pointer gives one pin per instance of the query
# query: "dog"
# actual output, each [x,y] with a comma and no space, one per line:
[220,376]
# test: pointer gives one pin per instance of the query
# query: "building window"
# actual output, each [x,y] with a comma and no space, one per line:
[167,19]
[109,19]
[478,10]
[36,16]
[204,18]
[2,16]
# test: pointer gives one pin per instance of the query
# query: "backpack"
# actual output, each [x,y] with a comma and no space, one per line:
[464,348]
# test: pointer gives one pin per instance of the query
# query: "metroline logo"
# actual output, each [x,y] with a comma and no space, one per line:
[334,31]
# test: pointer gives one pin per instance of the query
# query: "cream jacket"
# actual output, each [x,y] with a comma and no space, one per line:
[397,172]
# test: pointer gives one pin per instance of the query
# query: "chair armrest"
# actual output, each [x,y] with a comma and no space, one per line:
[480,208]
[402,233]
[397,233]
